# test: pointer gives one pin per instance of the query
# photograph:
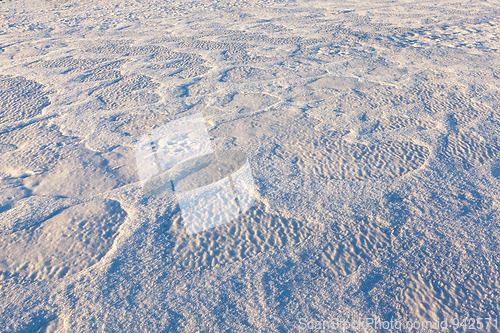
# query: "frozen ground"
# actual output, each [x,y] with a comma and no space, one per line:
[372,131]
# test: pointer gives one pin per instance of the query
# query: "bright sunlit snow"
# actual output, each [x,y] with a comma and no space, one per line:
[249,166]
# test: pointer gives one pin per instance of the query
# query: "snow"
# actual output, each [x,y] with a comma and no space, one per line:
[370,132]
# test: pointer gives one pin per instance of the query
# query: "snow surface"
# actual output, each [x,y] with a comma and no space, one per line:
[372,134]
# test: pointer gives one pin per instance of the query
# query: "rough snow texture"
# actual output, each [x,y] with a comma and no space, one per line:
[372,131]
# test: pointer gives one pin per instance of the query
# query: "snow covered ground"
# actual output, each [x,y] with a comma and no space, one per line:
[371,131]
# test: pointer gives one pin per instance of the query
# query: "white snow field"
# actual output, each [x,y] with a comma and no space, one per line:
[369,130]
